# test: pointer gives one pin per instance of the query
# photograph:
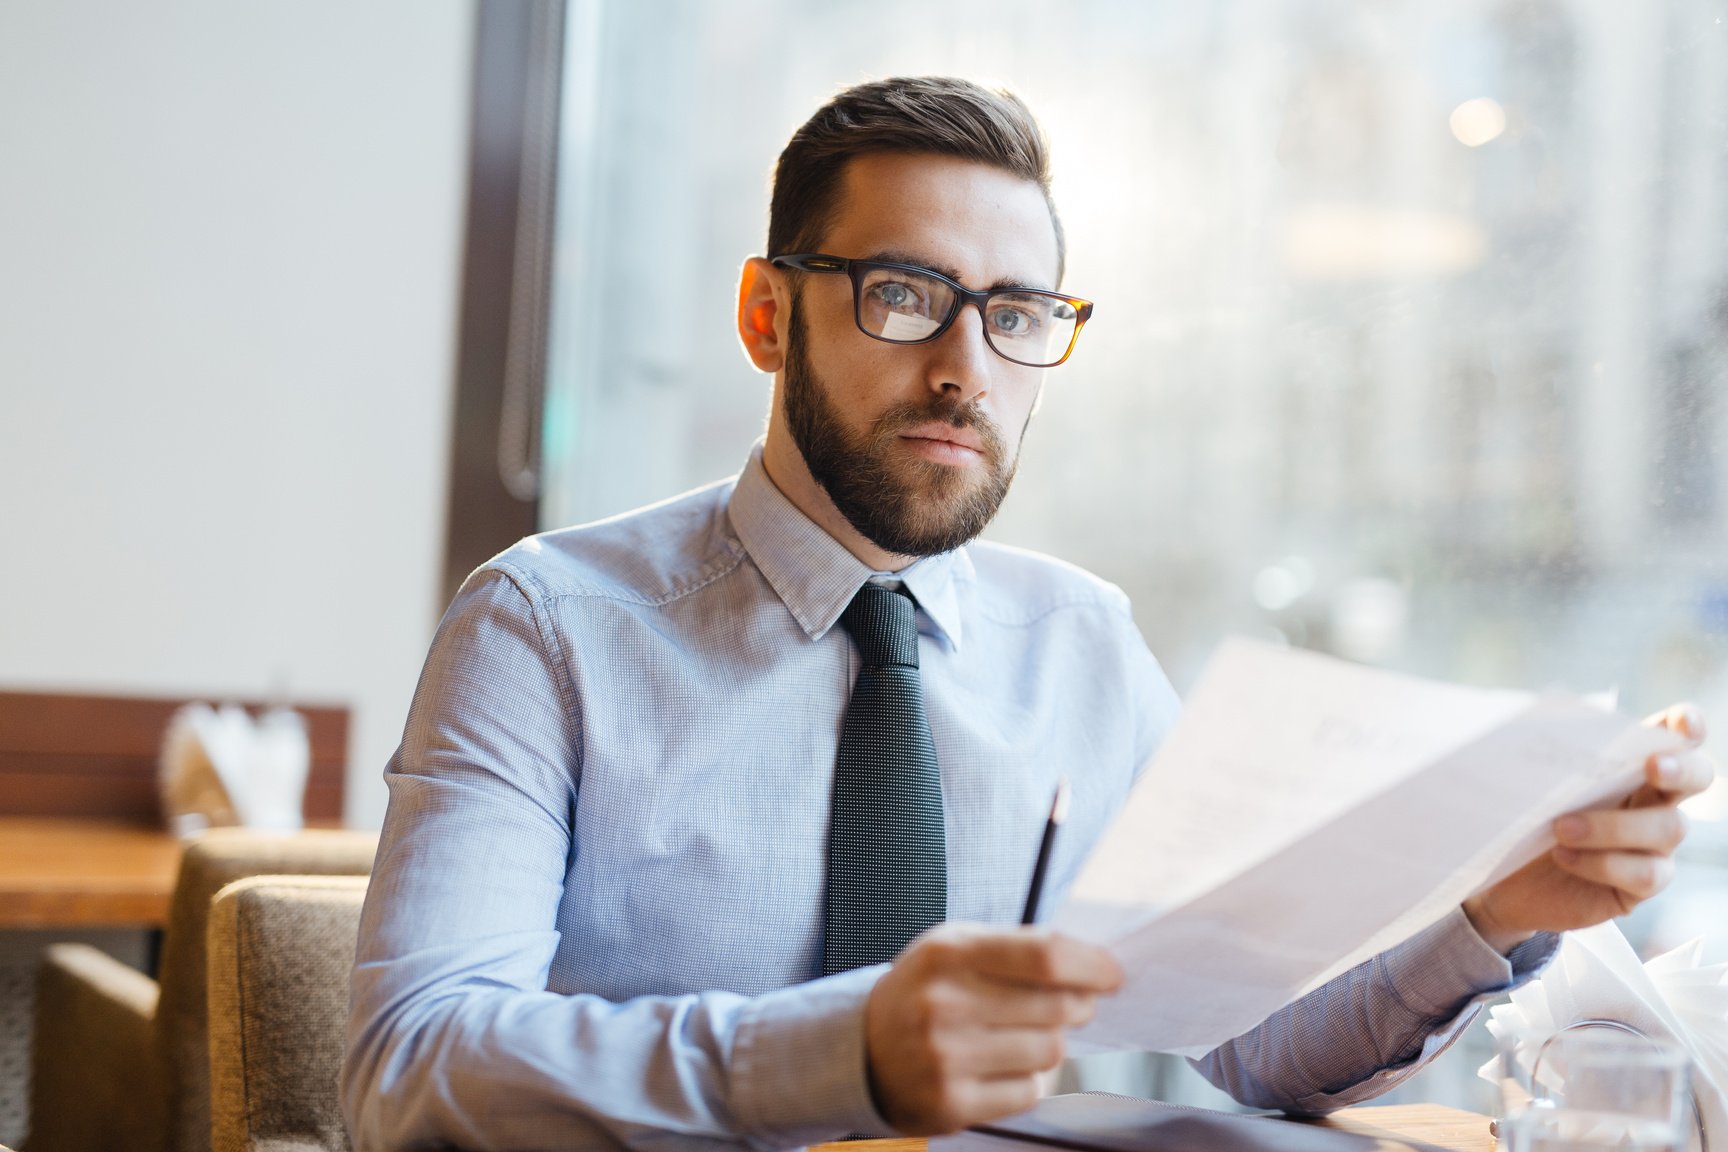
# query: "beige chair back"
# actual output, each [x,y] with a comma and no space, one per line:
[215,860]
[280,950]
[119,1062]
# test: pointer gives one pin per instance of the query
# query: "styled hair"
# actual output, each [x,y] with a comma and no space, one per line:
[938,115]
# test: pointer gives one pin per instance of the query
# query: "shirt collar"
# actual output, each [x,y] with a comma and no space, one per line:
[813,573]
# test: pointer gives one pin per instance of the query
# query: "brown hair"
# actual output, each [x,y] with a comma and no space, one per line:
[941,115]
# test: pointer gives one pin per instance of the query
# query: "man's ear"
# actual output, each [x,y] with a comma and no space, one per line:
[763,310]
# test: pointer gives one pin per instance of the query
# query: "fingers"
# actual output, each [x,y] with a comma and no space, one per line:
[1686,719]
[957,1030]
[980,1101]
[1638,875]
[1044,959]
[1680,774]
[1015,1006]
[1672,777]
[1657,830]
[966,1000]
[1000,1052]
[1629,850]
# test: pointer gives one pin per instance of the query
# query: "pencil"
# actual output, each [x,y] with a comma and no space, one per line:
[1058,813]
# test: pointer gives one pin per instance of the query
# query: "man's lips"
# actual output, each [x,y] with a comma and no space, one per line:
[946,434]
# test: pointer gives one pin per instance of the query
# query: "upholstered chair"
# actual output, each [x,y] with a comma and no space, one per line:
[121,1061]
[281,950]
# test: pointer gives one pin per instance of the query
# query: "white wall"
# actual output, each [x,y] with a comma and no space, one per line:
[230,247]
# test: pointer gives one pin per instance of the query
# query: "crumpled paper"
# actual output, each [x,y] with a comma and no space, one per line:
[1597,976]
[221,767]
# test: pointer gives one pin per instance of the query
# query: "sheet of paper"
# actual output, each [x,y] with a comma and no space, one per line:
[1272,742]
[1306,813]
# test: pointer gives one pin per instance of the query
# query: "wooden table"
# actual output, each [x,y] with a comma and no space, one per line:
[1426,1123]
[60,873]
[1392,1124]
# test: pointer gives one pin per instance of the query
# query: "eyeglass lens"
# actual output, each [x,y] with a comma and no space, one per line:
[903,307]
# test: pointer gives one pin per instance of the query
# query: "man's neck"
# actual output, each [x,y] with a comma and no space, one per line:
[788,472]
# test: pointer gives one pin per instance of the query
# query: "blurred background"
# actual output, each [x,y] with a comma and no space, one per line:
[1411,341]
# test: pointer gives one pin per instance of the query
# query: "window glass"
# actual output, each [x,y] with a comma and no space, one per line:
[1411,340]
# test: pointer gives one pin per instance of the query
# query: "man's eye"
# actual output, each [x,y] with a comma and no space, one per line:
[896,295]
[1013,321]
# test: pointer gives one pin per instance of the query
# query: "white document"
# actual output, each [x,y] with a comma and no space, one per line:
[1307,813]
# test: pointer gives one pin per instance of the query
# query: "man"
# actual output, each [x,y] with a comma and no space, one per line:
[686,796]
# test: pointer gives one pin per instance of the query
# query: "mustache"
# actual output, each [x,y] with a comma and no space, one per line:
[954,413]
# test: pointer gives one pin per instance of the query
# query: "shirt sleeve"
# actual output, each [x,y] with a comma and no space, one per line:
[453,1036]
[1156,705]
[1376,1025]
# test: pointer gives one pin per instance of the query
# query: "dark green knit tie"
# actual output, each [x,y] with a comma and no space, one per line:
[887,851]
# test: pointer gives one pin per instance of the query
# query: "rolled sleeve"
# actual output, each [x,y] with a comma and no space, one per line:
[1448,965]
[1376,1025]
[799,1066]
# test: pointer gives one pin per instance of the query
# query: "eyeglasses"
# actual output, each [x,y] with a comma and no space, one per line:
[906,304]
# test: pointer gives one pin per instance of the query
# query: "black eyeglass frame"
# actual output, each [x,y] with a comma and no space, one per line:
[856,269]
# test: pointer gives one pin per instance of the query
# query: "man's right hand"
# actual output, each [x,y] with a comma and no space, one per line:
[957,1031]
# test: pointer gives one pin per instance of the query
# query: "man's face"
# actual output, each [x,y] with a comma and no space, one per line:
[917,444]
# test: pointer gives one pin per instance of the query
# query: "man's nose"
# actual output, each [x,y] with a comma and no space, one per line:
[961,359]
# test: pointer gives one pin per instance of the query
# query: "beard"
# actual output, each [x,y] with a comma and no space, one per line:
[900,503]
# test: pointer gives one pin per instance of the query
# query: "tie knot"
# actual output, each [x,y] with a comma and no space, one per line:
[884,625]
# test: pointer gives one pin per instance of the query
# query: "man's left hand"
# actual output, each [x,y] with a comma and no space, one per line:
[1607,861]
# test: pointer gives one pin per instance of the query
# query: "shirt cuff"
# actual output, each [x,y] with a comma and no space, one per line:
[1438,970]
[799,1068]
[1444,973]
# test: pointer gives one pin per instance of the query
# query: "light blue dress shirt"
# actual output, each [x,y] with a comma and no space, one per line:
[596,912]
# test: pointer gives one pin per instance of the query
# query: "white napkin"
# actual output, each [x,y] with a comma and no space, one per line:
[220,767]
[1597,976]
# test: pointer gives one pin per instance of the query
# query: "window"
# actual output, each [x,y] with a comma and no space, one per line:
[1412,328]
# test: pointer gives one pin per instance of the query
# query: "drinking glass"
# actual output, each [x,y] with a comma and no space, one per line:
[1508,1078]
[1601,1089]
